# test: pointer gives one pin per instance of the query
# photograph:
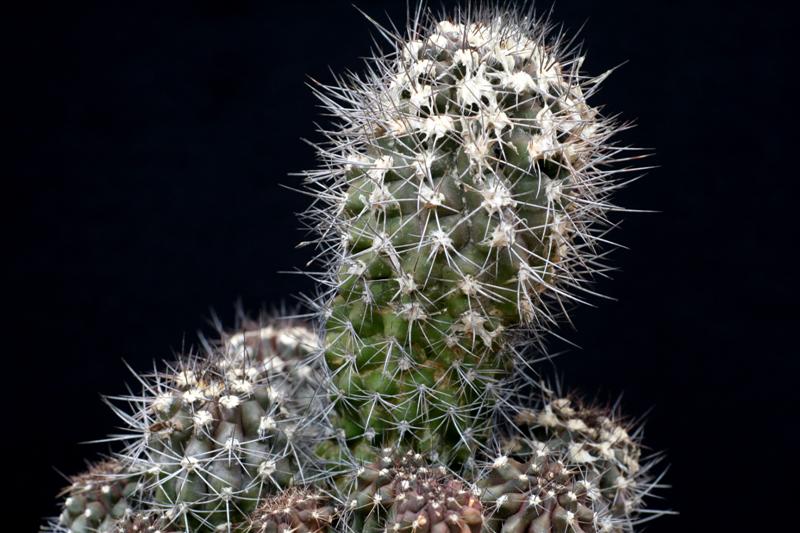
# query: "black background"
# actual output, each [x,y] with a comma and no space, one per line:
[149,141]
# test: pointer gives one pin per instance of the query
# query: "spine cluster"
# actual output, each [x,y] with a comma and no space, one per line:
[460,209]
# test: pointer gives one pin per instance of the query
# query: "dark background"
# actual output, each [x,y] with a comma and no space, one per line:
[149,141]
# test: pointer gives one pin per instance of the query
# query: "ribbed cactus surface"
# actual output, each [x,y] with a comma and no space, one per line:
[566,465]
[461,202]
[595,440]
[96,499]
[217,431]
[542,494]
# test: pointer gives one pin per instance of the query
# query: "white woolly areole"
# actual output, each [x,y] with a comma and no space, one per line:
[202,419]
[437,126]
[500,462]
[230,401]
[163,402]
[266,468]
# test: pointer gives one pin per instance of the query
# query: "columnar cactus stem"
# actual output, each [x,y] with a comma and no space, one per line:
[462,202]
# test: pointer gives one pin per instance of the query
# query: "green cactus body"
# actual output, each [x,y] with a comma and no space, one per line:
[214,434]
[96,499]
[404,492]
[461,196]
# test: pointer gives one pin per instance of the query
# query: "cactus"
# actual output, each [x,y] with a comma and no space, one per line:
[542,493]
[460,212]
[587,456]
[96,499]
[300,510]
[217,431]
[403,491]
[593,437]
[461,206]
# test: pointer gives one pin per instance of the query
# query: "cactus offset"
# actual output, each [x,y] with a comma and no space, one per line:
[464,195]
[543,493]
[218,431]
[96,499]
[403,491]
[597,441]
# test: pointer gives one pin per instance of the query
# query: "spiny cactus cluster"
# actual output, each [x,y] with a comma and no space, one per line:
[209,436]
[460,209]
